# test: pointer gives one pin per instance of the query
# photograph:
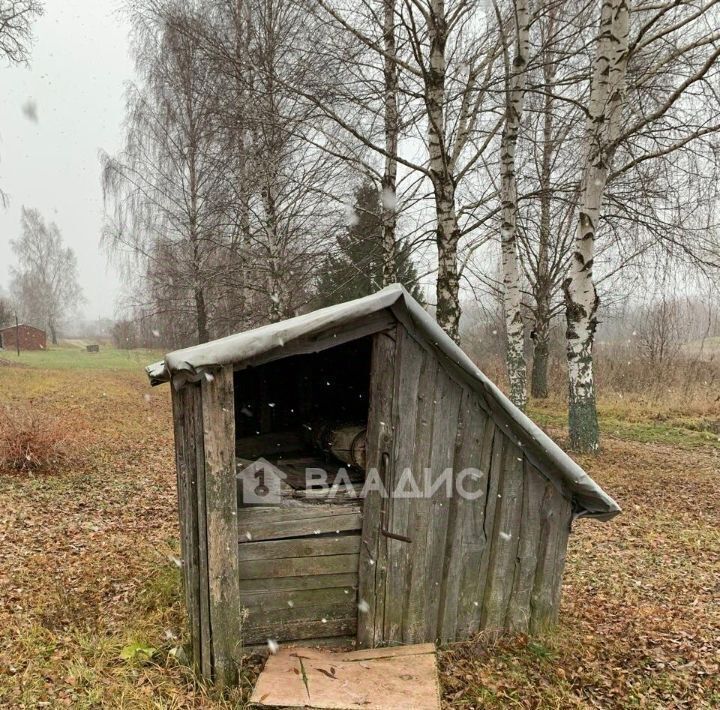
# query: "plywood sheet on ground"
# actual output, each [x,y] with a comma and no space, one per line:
[376,679]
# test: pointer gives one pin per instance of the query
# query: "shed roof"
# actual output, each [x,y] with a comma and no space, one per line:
[21,325]
[589,499]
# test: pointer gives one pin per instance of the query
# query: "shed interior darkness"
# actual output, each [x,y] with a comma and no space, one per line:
[284,408]
[298,561]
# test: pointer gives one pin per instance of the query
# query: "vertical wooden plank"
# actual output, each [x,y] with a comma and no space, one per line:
[410,362]
[430,514]
[505,539]
[518,613]
[465,540]
[446,413]
[556,513]
[476,533]
[218,417]
[379,440]
[421,433]
[194,418]
[565,521]
[187,509]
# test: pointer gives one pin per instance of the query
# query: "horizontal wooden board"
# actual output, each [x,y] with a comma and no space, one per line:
[336,642]
[329,612]
[295,566]
[297,631]
[270,600]
[300,547]
[307,581]
[256,524]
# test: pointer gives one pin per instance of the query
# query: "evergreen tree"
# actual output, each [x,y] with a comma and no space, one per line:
[355,269]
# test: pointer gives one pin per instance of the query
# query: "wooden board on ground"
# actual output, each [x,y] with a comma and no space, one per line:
[374,679]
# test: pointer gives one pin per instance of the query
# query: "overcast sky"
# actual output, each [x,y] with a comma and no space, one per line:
[77,76]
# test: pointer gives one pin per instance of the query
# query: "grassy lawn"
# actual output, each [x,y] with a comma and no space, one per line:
[643,422]
[75,357]
[87,562]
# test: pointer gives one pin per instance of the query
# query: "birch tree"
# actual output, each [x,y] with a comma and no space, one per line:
[165,186]
[221,195]
[44,281]
[551,144]
[449,54]
[581,298]
[512,293]
[392,133]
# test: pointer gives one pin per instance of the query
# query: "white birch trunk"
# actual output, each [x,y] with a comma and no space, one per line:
[389,182]
[581,299]
[543,287]
[274,280]
[447,232]
[512,293]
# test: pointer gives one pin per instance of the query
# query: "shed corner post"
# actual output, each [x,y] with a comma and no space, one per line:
[372,559]
[218,410]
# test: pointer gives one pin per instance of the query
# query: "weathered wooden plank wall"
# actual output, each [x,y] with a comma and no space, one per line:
[298,571]
[466,535]
[411,372]
[187,409]
[207,504]
[451,567]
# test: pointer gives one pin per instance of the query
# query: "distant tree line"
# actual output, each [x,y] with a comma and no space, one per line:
[284,154]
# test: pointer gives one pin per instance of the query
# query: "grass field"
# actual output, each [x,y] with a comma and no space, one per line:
[74,356]
[89,591]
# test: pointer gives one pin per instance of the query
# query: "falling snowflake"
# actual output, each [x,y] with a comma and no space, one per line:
[351,216]
[505,536]
[363,607]
[273,646]
[389,199]
[29,109]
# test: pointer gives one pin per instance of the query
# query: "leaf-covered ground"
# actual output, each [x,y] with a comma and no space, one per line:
[87,573]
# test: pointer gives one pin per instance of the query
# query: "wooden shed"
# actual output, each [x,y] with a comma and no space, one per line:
[27,336]
[448,510]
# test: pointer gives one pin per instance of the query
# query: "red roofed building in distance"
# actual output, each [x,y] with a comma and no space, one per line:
[30,338]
